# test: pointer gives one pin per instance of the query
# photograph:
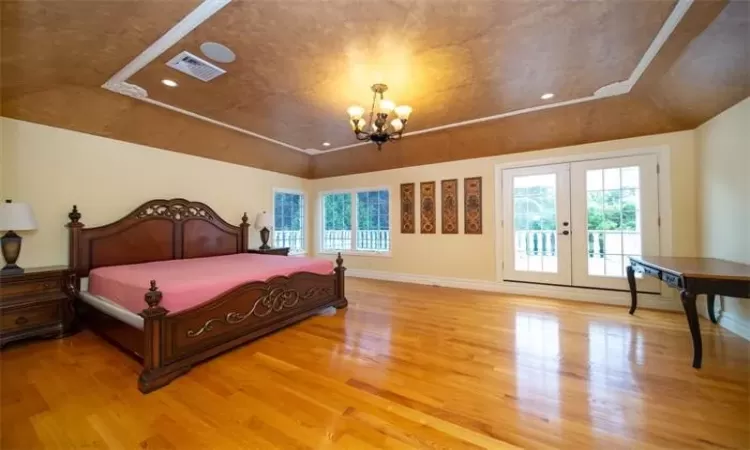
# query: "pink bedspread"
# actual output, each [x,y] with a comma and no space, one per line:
[190,282]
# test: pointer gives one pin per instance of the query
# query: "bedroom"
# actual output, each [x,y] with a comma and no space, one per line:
[471,322]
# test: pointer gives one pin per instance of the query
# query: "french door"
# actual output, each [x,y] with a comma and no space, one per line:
[576,224]
[536,221]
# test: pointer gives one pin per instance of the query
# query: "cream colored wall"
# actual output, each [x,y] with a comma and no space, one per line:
[53,168]
[723,145]
[473,257]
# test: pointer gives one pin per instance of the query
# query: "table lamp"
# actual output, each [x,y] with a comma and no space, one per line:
[14,217]
[263,223]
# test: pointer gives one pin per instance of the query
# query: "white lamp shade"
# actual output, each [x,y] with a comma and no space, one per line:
[355,112]
[386,106]
[263,220]
[16,217]
[403,112]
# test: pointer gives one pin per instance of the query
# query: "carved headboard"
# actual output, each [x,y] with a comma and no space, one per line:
[158,230]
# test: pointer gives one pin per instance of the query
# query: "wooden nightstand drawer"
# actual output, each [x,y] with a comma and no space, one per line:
[30,287]
[35,304]
[35,315]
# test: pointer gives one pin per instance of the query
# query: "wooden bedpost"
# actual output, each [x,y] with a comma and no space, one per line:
[339,290]
[153,325]
[74,236]
[244,227]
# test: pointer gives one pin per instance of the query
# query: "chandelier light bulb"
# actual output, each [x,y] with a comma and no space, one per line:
[403,112]
[355,112]
[397,125]
[386,106]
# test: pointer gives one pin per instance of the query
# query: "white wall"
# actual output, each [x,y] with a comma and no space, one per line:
[53,168]
[473,256]
[723,145]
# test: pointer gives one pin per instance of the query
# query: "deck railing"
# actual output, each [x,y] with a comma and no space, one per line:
[367,240]
[600,242]
[292,239]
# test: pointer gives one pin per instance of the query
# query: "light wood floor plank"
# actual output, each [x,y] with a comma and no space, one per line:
[403,367]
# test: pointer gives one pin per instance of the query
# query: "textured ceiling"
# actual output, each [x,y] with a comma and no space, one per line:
[300,64]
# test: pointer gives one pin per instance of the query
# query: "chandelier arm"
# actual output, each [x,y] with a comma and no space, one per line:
[372,108]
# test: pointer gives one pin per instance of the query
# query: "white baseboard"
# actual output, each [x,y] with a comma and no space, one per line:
[537,290]
[726,320]
[734,324]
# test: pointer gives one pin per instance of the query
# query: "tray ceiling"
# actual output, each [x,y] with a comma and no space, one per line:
[301,64]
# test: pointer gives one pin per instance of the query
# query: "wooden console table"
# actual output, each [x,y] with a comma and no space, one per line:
[693,276]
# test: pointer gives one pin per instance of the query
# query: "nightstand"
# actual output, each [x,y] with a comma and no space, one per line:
[281,251]
[35,304]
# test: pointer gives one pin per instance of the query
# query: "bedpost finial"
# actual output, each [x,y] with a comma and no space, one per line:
[153,296]
[339,260]
[74,215]
[244,218]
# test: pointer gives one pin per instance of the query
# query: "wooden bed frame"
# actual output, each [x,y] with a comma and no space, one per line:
[170,344]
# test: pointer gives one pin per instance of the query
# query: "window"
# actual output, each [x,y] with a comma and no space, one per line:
[289,220]
[367,231]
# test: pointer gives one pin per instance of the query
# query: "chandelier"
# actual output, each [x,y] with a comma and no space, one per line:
[382,131]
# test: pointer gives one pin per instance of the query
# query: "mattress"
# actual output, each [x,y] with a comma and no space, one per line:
[190,282]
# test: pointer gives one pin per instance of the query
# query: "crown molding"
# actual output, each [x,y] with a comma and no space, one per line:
[117,83]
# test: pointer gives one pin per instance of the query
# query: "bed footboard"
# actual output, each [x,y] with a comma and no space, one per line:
[174,343]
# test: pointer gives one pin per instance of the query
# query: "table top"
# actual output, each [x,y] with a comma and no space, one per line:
[698,267]
[33,271]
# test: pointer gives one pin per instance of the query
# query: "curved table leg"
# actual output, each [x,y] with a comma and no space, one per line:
[688,302]
[633,292]
[710,305]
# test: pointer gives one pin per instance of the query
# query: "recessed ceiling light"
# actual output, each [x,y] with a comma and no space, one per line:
[547,96]
[170,83]
[326,144]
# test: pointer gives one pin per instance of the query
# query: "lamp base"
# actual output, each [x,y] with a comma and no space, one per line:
[11,269]
[265,233]
[11,248]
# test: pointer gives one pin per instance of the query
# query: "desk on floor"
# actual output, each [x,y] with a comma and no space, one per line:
[693,277]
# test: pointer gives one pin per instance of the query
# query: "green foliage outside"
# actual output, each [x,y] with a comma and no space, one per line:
[337,211]
[287,211]
[372,211]
[535,209]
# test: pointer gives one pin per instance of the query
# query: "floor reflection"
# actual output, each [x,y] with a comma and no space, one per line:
[538,364]
[367,338]
[613,350]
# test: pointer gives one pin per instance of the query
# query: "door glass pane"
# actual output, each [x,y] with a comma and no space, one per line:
[535,223]
[614,219]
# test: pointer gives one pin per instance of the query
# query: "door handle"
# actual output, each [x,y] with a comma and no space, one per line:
[565,233]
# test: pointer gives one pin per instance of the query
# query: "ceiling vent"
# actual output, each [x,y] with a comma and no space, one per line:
[190,64]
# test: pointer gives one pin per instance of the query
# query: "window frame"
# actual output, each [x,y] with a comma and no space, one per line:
[353,220]
[303,194]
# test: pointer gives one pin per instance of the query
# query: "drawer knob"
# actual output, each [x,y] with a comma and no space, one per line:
[21,320]
[47,285]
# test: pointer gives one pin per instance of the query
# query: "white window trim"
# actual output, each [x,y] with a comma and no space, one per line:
[353,252]
[305,234]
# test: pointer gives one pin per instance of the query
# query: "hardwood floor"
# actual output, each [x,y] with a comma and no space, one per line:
[404,366]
